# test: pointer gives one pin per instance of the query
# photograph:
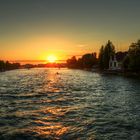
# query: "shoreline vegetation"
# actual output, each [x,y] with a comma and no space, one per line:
[6,65]
[129,65]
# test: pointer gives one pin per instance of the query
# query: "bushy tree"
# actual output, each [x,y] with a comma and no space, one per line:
[2,65]
[105,53]
[125,63]
[101,58]
[89,60]
[86,61]
[80,63]
[8,66]
[134,56]
[72,62]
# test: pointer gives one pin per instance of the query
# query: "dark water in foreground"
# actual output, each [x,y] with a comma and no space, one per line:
[41,104]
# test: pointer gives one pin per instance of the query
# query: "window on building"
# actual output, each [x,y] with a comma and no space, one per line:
[110,64]
[114,64]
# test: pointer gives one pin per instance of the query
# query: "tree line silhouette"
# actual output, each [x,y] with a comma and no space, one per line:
[104,55]
[8,66]
[86,61]
[131,62]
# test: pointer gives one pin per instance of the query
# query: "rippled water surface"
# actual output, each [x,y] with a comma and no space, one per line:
[68,104]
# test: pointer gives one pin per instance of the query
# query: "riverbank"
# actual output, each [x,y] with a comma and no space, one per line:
[122,73]
[116,72]
[105,72]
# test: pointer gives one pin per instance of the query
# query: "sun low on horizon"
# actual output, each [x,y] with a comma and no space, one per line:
[52,58]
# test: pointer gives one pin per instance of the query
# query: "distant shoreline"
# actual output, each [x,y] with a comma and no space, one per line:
[121,73]
[115,72]
[105,72]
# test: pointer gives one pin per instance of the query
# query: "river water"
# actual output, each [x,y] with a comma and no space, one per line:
[53,104]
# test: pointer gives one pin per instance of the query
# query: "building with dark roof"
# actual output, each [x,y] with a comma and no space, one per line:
[115,62]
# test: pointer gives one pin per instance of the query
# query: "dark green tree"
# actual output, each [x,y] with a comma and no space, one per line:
[109,50]
[72,62]
[105,53]
[8,65]
[80,63]
[89,60]
[101,58]
[2,65]
[134,56]
[125,63]
[86,61]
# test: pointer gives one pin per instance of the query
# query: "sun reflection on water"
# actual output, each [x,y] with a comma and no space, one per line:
[50,129]
[49,126]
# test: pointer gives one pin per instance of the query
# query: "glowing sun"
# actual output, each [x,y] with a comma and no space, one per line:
[51,58]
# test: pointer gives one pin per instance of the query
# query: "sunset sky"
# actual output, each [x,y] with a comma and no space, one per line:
[34,29]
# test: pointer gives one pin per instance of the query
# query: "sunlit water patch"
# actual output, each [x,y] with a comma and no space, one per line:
[68,104]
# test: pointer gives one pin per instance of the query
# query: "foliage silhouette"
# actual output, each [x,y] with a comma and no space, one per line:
[132,60]
[8,66]
[105,53]
[86,61]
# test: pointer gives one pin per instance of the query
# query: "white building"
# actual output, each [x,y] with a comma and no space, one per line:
[115,62]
